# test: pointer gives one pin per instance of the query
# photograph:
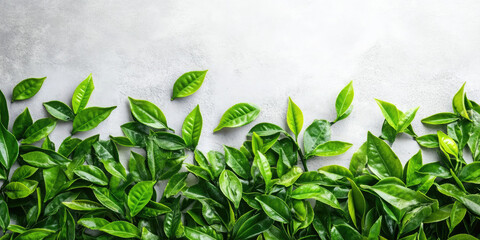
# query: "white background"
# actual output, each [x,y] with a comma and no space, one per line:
[406,52]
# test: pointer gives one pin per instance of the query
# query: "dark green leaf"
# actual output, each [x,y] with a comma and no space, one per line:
[38,130]
[59,110]
[21,123]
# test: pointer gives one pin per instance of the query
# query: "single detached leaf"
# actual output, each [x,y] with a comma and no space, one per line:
[188,84]
[148,113]
[8,148]
[82,94]
[139,196]
[458,103]
[275,208]
[121,229]
[440,118]
[382,161]
[59,110]
[3,110]
[92,174]
[238,115]
[89,118]
[21,123]
[192,128]
[344,100]
[330,148]
[231,187]
[27,88]
[38,130]
[294,118]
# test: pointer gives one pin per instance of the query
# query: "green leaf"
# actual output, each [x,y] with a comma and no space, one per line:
[55,180]
[4,215]
[237,161]
[175,184]
[428,141]
[83,205]
[35,234]
[250,225]
[23,172]
[317,133]
[439,215]
[168,141]
[114,168]
[21,123]
[121,229]
[458,103]
[375,229]
[188,83]
[154,209]
[312,191]
[289,178]
[38,130]
[202,233]
[390,112]
[462,236]
[356,202]
[68,145]
[470,173]
[330,148]
[395,193]
[136,132]
[172,220]
[4,119]
[147,235]
[147,113]
[231,187]
[382,161]
[440,118]
[344,101]
[471,201]
[93,223]
[48,144]
[263,166]
[22,189]
[447,144]
[27,88]
[8,148]
[39,159]
[192,128]
[59,110]
[294,118]
[238,115]
[275,208]
[139,196]
[359,160]
[89,118]
[82,94]
[104,197]
[456,215]
[405,119]
[92,174]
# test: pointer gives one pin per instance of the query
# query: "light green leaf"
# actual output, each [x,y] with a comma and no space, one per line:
[458,103]
[8,148]
[82,94]
[382,161]
[238,115]
[188,84]
[139,196]
[38,130]
[59,110]
[192,128]
[294,118]
[90,118]
[27,88]
[147,113]
[231,187]
[344,101]
[275,208]
[92,174]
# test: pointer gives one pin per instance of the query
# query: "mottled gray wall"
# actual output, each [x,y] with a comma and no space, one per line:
[411,53]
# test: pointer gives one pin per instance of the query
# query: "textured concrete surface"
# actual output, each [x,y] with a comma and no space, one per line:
[411,53]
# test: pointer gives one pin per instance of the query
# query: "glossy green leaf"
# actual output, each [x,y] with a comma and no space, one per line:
[238,115]
[4,117]
[59,110]
[294,118]
[4,215]
[154,209]
[148,113]
[458,103]
[330,148]
[312,191]
[175,184]
[440,118]
[27,88]
[83,205]
[54,180]
[382,161]
[250,225]
[38,130]
[121,229]
[23,172]
[447,144]
[289,178]
[104,196]
[39,159]
[428,141]
[192,128]
[462,236]
[456,215]
[275,208]
[231,187]
[82,94]
[188,83]
[92,174]
[359,160]
[22,189]
[344,101]
[93,223]
[471,201]
[21,123]
[405,119]
[202,233]
[390,112]
[237,161]
[168,141]
[136,132]
[89,118]
[316,134]
[263,166]
[35,234]
[8,148]
[470,173]
[139,196]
